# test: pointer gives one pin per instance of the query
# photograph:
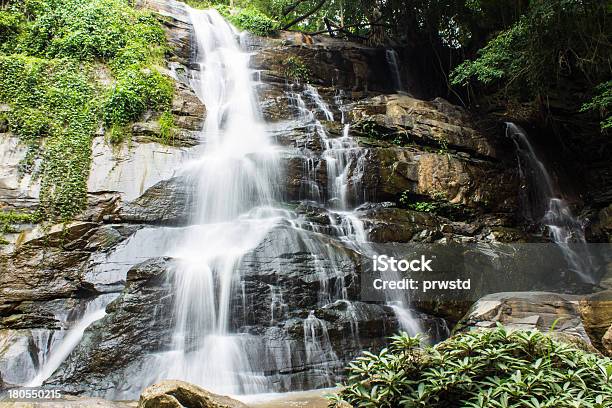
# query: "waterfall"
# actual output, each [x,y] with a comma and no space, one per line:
[543,204]
[59,350]
[234,179]
[391,56]
[240,223]
[344,161]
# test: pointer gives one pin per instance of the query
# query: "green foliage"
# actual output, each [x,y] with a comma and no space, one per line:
[437,204]
[9,220]
[9,24]
[53,99]
[166,127]
[89,29]
[295,69]
[250,19]
[602,104]
[421,206]
[135,91]
[243,15]
[553,43]
[49,50]
[497,60]
[486,368]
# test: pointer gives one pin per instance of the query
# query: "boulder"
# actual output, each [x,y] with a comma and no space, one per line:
[167,202]
[434,123]
[606,342]
[544,311]
[179,394]
[596,312]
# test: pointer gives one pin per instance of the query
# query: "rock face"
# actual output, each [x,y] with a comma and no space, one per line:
[530,310]
[178,394]
[607,342]
[345,65]
[167,202]
[596,311]
[137,323]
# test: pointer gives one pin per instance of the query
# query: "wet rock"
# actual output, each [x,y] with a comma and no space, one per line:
[17,356]
[397,225]
[178,394]
[341,64]
[137,323]
[175,20]
[529,310]
[167,202]
[285,261]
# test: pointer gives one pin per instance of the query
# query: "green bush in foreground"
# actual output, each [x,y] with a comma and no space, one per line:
[494,369]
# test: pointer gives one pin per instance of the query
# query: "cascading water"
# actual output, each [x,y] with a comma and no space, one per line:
[217,340]
[391,56]
[94,311]
[344,168]
[543,204]
[234,176]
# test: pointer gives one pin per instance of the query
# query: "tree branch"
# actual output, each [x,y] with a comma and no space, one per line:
[344,29]
[305,16]
[292,7]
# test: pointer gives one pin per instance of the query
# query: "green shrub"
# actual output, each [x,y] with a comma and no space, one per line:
[254,21]
[481,369]
[9,24]
[90,29]
[166,127]
[295,69]
[602,104]
[56,100]
[136,91]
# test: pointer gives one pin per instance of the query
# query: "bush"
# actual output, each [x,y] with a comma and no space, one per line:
[46,77]
[136,91]
[254,21]
[295,69]
[487,368]
[602,104]
[9,24]
[166,127]
[52,99]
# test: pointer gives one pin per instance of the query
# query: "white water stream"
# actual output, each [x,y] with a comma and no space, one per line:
[545,205]
[236,177]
